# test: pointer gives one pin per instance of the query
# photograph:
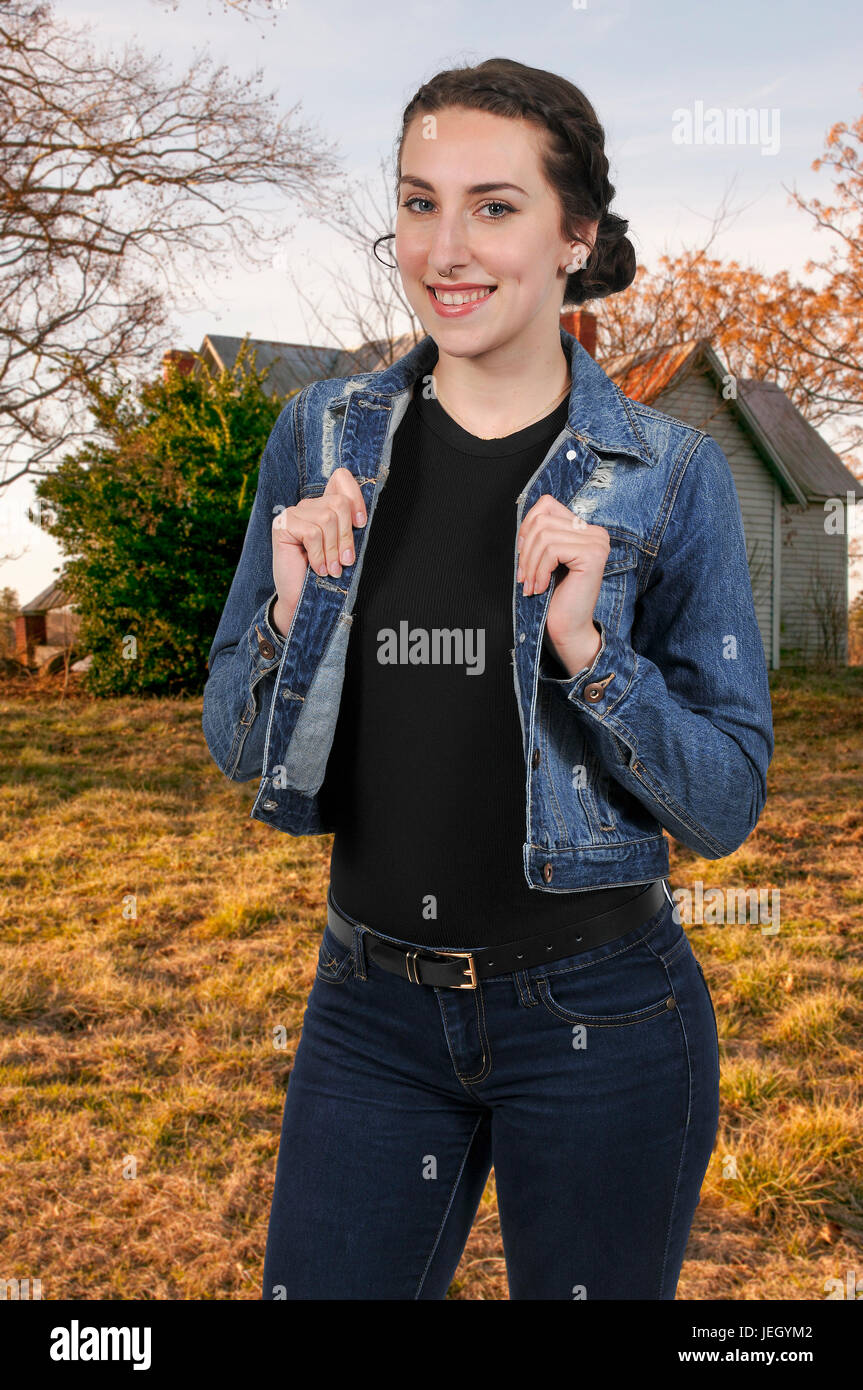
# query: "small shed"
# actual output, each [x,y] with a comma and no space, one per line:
[48,624]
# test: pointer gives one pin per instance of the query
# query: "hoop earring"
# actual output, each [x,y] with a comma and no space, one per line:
[387,237]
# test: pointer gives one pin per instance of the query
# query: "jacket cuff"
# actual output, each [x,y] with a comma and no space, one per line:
[599,687]
[265,643]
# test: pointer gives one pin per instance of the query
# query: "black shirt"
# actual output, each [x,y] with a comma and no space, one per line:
[425,783]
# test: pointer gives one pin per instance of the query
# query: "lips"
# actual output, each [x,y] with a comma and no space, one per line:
[465,306]
[468,294]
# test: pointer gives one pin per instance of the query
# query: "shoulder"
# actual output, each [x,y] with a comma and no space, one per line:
[668,438]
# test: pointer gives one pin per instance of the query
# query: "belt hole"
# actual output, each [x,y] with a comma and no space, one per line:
[578,938]
[520,957]
[549,948]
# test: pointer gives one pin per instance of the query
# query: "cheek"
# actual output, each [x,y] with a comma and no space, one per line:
[409,251]
[524,274]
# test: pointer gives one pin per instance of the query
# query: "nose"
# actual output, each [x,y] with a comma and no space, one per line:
[448,246]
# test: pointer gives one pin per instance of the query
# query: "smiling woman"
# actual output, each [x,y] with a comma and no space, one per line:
[502,973]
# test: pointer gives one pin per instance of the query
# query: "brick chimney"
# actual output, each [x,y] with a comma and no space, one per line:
[581,323]
[183,360]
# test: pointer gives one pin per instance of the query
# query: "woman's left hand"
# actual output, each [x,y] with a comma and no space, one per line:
[551,535]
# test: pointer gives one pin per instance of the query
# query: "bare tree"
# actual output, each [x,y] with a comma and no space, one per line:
[803,336]
[826,601]
[114,178]
[377,320]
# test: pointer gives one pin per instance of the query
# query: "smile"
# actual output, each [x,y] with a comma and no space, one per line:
[452,302]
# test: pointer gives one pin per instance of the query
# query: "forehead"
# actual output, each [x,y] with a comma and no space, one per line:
[459,146]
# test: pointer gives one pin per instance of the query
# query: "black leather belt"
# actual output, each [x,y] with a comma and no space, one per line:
[463,969]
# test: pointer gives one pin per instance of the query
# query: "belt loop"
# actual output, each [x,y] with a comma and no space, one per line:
[522,984]
[358,951]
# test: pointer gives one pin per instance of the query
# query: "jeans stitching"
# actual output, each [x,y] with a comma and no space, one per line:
[485,1069]
[683,1143]
[674,951]
[465,1081]
[453,1191]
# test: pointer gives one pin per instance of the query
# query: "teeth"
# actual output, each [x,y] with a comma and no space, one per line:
[461,297]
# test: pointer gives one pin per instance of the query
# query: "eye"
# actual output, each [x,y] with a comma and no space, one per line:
[494,203]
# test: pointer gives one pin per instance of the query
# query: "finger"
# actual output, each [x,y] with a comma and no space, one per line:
[557,548]
[547,507]
[333,513]
[546,549]
[344,483]
[293,527]
[537,521]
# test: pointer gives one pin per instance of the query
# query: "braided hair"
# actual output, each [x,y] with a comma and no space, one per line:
[573,157]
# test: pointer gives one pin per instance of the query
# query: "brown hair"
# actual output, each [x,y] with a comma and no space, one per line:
[573,159]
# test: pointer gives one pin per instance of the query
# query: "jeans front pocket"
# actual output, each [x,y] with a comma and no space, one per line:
[622,983]
[335,961]
[552,997]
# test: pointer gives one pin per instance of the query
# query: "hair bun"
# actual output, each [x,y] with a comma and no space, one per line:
[610,267]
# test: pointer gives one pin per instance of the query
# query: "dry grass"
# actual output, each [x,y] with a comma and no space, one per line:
[153,936]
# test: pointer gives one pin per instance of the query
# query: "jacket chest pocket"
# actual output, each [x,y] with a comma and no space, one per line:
[618,581]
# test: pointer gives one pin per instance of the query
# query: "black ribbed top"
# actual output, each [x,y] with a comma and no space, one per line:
[425,783]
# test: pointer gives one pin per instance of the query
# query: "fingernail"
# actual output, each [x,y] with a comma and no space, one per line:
[347,557]
[360,518]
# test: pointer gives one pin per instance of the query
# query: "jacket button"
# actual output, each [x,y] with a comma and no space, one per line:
[593,691]
[534,762]
[266,648]
[547,872]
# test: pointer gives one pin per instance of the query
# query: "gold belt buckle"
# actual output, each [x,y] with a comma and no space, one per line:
[471,968]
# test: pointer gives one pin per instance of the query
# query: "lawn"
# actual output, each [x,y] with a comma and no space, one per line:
[154,938]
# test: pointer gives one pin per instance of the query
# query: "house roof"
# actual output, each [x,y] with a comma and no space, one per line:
[52,597]
[294,365]
[802,460]
[644,375]
[820,472]
[648,374]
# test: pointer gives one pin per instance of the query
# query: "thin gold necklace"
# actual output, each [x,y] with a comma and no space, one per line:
[544,411]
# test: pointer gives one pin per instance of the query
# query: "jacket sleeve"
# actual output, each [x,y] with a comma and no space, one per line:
[246,650]
[685,721]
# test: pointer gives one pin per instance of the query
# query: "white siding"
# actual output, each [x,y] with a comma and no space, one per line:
[814,588]
[698,401]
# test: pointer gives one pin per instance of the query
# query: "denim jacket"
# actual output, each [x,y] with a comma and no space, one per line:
[670,726]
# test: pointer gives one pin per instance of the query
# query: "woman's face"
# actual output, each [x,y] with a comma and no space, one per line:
[473,200]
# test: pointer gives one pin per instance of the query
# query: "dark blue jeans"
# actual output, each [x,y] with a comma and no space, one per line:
[591,1084]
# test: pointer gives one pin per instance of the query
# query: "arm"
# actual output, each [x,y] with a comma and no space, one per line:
[685,723]
[241,676]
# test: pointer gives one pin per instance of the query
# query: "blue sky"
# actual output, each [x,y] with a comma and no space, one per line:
[353,67]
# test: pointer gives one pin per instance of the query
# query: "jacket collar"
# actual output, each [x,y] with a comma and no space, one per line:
[599,413]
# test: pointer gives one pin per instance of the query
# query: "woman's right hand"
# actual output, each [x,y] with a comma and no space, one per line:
[318,531]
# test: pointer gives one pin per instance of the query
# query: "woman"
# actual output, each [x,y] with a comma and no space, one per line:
[527,699]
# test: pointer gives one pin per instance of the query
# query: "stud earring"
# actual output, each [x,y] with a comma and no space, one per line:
[577,262]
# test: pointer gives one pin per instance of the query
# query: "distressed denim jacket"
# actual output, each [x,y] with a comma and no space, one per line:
[669,728]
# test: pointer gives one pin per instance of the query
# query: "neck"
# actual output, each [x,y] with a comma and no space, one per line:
[496,391]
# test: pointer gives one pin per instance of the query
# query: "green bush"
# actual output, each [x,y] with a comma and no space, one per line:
[153,521]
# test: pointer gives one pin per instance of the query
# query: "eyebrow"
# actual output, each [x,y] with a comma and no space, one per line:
[475,188]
